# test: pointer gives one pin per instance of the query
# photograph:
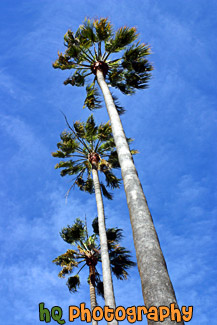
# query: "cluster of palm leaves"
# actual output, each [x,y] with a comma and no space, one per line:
[92,46]
[83,140]
[87,253]
[103,59]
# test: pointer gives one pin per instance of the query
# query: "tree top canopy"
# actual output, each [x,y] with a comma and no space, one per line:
[95,45]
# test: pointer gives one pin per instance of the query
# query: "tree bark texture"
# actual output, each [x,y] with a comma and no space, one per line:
[157,288]
[106,269]
[93,302]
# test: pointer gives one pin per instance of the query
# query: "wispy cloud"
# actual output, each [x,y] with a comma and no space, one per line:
[13,87]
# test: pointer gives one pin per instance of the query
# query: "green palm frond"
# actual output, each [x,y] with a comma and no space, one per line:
[95,226]
[117,79]
[73,283]
[67,146]
[106,146]
[74,46]
[123,37]
[105,132]
[79,129]
[58,154]
[75,233]
[120,260]
[111,180]
[114,235]
[70,167]
[87,31]
[78,46]
[99,285]
[136,80]
[116,76]
[103,29]
[92,100]
[66,258]
[83,42]
[77,79]
[91,129]
[105,192]
[63,62]
[89,186]
[119,108]
[136,52]
[80,183]
[104,165]
[113,159]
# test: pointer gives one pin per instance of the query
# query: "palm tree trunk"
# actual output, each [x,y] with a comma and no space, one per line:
[157,288]
[93,302]
[106,269]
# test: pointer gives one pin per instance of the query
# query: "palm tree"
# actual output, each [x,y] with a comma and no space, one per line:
[92,149]
[88,52]
[87,253]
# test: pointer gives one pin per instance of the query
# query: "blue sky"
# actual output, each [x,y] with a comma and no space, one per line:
[173,123]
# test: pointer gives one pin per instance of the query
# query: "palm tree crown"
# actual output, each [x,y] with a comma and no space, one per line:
[87,253]
[91,47]
[89,146]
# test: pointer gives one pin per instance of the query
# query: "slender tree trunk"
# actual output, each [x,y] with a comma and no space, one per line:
[93,302]
[157,288]
[106,269]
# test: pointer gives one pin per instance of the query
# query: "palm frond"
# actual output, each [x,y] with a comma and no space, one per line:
[79,129]
[78,46]
[92,100]
[95,226]
[136,80]
[63,62]
[114,235]
[69,167]
[123,37]
[136,52]
[91,128]
[89,186]
[67,146]
[119,108]
[104,132]
[107,194]
[111,180]
[113,159]
[87,30]
[120,260]
[106,146]
[58,154]
[66,258]
[104,165]
[73,283]
[74,233]
[103,29]
[77,79]
[99,285]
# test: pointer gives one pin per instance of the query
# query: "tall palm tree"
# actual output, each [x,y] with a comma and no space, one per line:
[88,52]
[92,149]
[87,253]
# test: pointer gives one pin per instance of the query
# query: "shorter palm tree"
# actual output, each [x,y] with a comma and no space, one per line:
[88,150]
[87,253]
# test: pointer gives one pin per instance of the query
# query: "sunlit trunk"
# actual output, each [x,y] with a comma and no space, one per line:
[157,288]
[106,269]
[93,302]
